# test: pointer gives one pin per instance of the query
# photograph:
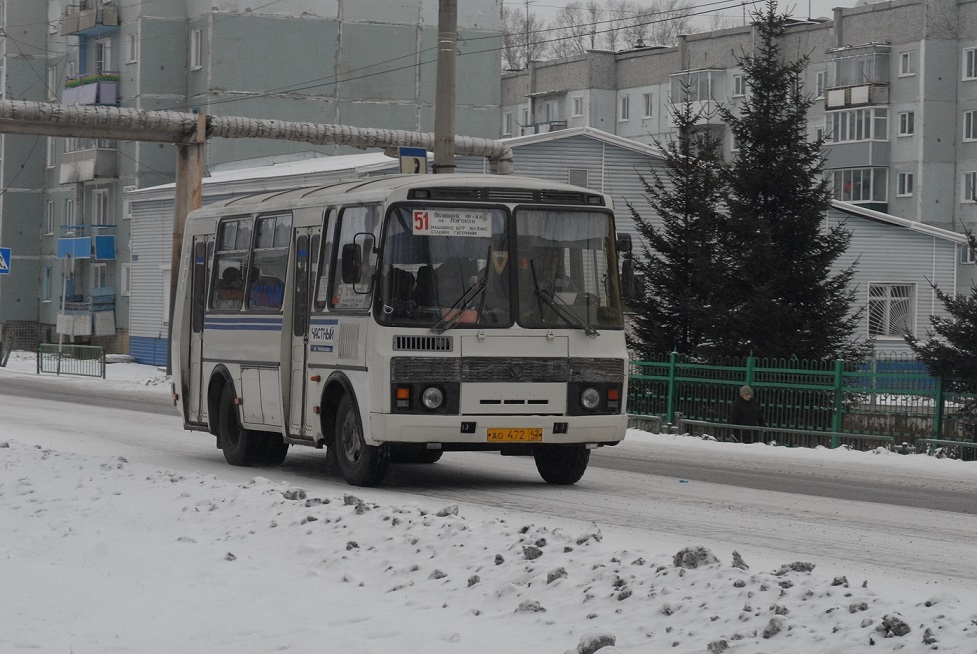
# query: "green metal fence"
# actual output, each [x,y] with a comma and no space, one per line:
[84,360]
[890,396]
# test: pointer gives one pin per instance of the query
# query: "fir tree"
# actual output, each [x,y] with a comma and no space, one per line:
[950,349]
[785,300]
[675,308]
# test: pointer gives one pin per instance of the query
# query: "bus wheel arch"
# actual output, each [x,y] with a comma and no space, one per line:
[360,464]
[219,379]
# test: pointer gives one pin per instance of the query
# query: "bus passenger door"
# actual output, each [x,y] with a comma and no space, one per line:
[305,242]
[198,300]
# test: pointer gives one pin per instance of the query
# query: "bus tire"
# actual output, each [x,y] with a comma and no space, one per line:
[241,447]
[361,464]
[273,448]
[561,464]
[410,454]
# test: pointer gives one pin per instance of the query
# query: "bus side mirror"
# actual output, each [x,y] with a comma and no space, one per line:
[623,242]
[352,263]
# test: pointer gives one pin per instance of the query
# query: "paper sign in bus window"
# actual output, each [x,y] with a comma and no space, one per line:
[450,222]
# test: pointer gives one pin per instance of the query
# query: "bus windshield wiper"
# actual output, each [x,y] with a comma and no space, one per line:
[454,313]
[563,310]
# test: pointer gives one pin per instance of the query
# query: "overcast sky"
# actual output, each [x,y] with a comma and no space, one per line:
[547,9]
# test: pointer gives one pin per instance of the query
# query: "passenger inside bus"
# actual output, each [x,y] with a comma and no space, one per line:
[398,292]
[230,289]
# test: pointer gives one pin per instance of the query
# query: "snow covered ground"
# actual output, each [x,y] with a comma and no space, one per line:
[99,554]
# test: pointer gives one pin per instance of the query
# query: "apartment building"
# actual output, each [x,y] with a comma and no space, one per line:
[895,89]
[364,63]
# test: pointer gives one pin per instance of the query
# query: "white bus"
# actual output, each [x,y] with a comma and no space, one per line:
[395,318]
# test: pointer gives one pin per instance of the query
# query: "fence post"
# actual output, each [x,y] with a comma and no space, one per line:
[839,401]
[670,408]
[103,362]
[750,363]
[938,409]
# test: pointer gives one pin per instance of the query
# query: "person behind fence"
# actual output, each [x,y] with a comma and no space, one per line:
[746,413]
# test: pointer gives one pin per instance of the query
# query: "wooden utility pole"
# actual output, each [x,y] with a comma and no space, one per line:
[444,104]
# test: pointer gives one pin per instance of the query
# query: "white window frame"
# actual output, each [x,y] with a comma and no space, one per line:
[103,55]
[126,281]
[648,99]
[68,218]
[552,111]
[624,107]
[52,84]
[49,217]
[907,63]
[196,49]
[51,151]
[577,102]
[968,186]
[864,124]
[883,298]
[507,123]
[47,284]
[862,185]
[904,184]
[967,254]
[969,64]
[819,83]
[739,86]
[100,206]
[132,43]
[907,123]
[100,275]
[970,125]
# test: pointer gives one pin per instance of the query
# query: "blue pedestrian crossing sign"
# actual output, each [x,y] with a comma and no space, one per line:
[4,261]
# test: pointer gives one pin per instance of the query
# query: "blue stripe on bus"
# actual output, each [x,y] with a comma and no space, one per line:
[235,323]
[324,321]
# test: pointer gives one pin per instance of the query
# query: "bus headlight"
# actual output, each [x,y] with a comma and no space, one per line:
[590,398]
[432,397]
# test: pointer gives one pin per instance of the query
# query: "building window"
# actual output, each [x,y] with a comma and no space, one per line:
[890,309]
[49,218]
[125,287]
[100,275]
[859,125]
[552,111]
[907,63]
[507,123]
[739,86]
[525,121]
[904,184]
[907,123]
[51,146]
[968,254]
[860,184]
[649,103]
[132,55]
[577,177]
[819,78]
[819,133]
[100,206]
[196,50]
[970,125]
[970,63]
[625,108]
[68,219]
[103,56]
[578,106]
[52,84]
[969,186]
[47,282]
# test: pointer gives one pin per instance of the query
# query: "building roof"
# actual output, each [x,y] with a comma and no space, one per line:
[878,216]
[590,132]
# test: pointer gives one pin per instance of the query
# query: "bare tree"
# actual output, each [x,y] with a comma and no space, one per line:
[569,31]
[523,38]
[668,19]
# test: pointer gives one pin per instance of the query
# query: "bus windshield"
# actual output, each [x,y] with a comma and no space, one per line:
[446,267]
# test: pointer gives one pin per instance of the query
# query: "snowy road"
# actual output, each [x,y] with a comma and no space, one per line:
[916,546]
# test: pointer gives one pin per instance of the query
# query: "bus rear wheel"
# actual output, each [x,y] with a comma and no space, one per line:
[561,464]
[241,447]
[361,464]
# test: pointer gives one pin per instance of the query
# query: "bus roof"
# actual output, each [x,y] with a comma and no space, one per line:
[498,188]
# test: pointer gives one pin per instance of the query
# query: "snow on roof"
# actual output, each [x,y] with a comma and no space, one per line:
[878,216]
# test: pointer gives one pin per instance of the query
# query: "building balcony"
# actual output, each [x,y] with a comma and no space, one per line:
[87,242]
[89,18]
[95,89]
[88,164]
[98,299]
[856,154]
[544,127]
[855,96]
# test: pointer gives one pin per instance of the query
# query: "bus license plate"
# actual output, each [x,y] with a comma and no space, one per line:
[515,435]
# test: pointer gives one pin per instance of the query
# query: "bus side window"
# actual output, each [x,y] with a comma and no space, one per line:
[325,260]
[358,231]
[230,264]
[266,276]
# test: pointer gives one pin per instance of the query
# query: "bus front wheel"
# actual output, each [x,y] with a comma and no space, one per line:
[361,464]
[241,447]
[561,464]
